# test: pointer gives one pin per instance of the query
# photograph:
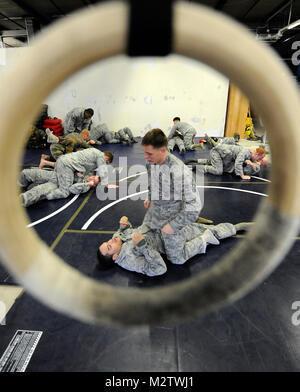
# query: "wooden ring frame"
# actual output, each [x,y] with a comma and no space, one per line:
[202,34]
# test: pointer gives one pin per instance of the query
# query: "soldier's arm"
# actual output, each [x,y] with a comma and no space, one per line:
[124,224]
[123,230]
[239,161]
[173,130]
[79,187]
[84,144]
[150,259]
[70,125]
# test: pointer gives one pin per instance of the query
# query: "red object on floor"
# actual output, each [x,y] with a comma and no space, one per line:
[52,121]
[55,125]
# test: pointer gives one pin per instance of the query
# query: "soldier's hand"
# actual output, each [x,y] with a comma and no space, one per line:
[167,229]
[91,142]
[147,203]
[124,221]
[253,164]
[136,238]
[80,175]
[245,177]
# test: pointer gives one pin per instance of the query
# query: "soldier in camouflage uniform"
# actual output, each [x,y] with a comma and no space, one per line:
[173,201]
[38,184]
[64,145]
[226,158]
[140,249]
[100,134]
[77,120]
[186,130]
[84,161]
[176,140]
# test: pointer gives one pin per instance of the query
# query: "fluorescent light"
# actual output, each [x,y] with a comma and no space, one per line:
[293,25]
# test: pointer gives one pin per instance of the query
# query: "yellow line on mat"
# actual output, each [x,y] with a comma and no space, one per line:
[244,235]
[58,238]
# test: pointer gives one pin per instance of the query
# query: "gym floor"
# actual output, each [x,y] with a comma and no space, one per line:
[254,334]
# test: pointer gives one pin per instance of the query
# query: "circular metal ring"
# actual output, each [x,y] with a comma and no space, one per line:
[203,35]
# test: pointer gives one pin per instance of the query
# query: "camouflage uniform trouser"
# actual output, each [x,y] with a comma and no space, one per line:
[162,212]
[125,134]
[109,138]
[57,150]
[213,165]
[65,179]
[227,140]
[188,242]
[176,141]
[188,139]
[44,182]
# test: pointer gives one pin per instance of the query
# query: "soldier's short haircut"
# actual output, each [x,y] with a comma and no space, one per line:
[260,151]
[176,119]
[110,155]
[104,262]
[155,138]
[90,111]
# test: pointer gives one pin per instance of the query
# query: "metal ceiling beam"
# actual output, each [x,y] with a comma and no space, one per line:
[250,9]
[42,19]
[13,33]
[220,4]
[29,29]
[282,6]
[11,20]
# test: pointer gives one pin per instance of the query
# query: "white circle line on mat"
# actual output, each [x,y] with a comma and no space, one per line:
[53,213]
[93,217]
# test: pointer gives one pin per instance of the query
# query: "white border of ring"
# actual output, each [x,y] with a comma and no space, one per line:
[203,35]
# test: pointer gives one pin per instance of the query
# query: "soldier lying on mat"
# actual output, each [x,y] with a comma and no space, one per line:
[100,134]
[139,249]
